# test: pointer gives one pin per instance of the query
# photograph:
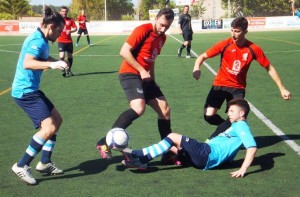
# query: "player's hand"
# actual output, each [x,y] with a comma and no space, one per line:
[238,173]
[145,75]
[68,32]
[286,95]
[61,65]
[197,74]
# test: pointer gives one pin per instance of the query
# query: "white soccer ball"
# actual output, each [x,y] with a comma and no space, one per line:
[117,139]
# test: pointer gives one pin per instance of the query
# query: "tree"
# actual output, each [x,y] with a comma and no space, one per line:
[147,5]
[17,8]
[38,9]
[117,8]
[197,10]
[259,8]
[95,8]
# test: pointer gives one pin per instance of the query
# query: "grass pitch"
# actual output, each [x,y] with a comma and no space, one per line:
[90,101]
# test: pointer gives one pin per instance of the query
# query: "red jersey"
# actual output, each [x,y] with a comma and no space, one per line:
[82,18]
[149,50]
[236,62]
[64,38]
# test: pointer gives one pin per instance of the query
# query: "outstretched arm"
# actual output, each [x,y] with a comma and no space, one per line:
[250,154]
[199,61]
[276,78]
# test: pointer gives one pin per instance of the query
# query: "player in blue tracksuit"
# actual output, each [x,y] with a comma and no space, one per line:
[33,60]
[220,149]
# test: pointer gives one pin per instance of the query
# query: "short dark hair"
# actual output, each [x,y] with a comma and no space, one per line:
[240,22]
[167,12]
[52,17]
[242,103]
[64,8]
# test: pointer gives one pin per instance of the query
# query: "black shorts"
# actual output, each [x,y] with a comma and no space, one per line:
[194,152]
[65,47]
[218,94]
[80,31]
[187,35]
[135,88]
[36,105]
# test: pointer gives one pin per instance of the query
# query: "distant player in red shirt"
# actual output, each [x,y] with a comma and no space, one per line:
[65,42]
[137,76]
[81,19]
[237,54]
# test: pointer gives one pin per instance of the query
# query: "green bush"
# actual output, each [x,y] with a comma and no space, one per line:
[127,18]
[6,16]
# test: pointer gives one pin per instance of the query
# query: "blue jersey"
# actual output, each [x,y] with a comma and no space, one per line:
[225,146]
[298,13]
[25,80]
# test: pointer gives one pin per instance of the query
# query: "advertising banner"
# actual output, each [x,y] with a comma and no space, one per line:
[9,26]
[212,24]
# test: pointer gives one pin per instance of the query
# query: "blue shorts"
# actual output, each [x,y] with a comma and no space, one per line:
[37,106]
[194,152]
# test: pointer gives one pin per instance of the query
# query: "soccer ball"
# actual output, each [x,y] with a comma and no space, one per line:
[117,139]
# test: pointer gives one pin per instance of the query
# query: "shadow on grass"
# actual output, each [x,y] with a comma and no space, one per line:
[266,162]
[265,141]
[153,167]
[86,168]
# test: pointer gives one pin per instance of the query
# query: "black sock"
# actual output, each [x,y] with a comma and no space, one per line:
[188,49]
[125,119]
[182,47]
[63,71]
[215,119]
[221,128]
[164,127]
[70,60]
[88,39]
[78,38]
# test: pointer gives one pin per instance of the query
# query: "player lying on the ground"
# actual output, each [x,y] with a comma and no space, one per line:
[208,155]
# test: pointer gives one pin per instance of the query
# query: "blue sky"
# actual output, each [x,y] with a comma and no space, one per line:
[57,2]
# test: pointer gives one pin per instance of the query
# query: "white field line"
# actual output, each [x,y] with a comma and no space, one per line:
[261,116]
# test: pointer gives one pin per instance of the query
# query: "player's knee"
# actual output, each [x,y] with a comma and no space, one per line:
[213,119]
[139,109]
[138,105]
[48,130]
